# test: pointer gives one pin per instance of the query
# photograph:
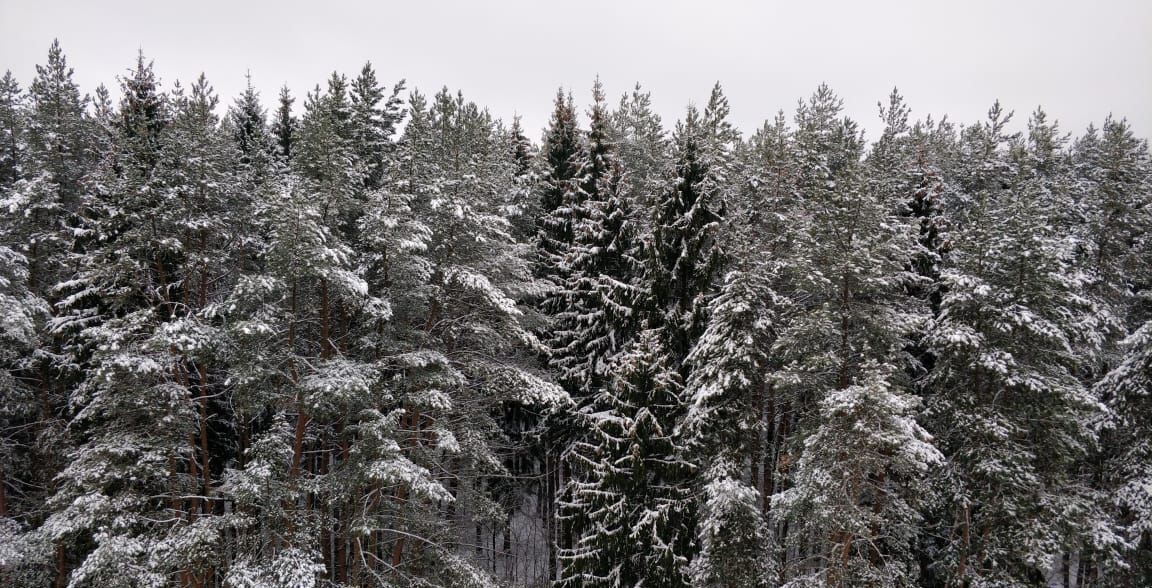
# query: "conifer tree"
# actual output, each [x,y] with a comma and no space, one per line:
[634,508]
[686,250]
[11,131]
[1128,477]
[600,294]
[558,169]
[852,497]
[1006,406]
[325,155]
[525,207]
[724,426]
[374,119]
[642,148]
[126,476]
[238,352]
[249,124]
[284,125]
[1113,192]
[24,559]
[44,208]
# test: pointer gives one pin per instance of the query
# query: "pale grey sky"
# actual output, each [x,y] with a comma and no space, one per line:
[1080,60]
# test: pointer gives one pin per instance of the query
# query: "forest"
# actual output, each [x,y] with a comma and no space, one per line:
[371,337]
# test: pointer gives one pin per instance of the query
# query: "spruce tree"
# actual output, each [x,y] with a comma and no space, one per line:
[600,295]
[284,125]
[632,504]
[685,248]
[249,124]
[558,170]
[375,115]
[115,501]
[524,207]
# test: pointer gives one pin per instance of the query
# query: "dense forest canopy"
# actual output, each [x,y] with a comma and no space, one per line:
[374,337]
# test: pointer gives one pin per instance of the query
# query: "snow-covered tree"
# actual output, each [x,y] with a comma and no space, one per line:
[23,560]
[599,296]
[42,208]
[11,131]
[724,426]
[685,246]
[1128,391]
[1005,403]
[851,499]
[628,492]
[375,115]
[248,121]
[132,464]
[642,147]
[284,125]
[559,167]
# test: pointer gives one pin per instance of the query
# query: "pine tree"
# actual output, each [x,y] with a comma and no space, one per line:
[853,495]
[307,353]
[851,499]
[21,312]
[325,156]
[1113,191]
[454,275]
[44,205]
[642,148]
[11,131]
[293,381]
[1112,195]
[1128,474]
[1008,411]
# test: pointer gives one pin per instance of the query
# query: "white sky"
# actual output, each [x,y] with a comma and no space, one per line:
[1079,59]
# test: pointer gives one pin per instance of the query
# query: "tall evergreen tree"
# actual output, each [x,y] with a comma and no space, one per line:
[558,170]
[642,147]
[851,500]
[686,251]
[11,130]
[374,119]
[1128,475]
[1007,408]
[600,295]
[115,500]
[633,502]
[284,125]
[44,207]
[724,426]
[249,124]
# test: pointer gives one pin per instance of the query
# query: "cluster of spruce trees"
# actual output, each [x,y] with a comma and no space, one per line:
[389,341]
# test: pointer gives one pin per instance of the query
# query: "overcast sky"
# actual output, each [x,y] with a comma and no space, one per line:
[1079,59]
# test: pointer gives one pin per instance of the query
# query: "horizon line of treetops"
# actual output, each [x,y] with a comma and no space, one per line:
[389,341]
